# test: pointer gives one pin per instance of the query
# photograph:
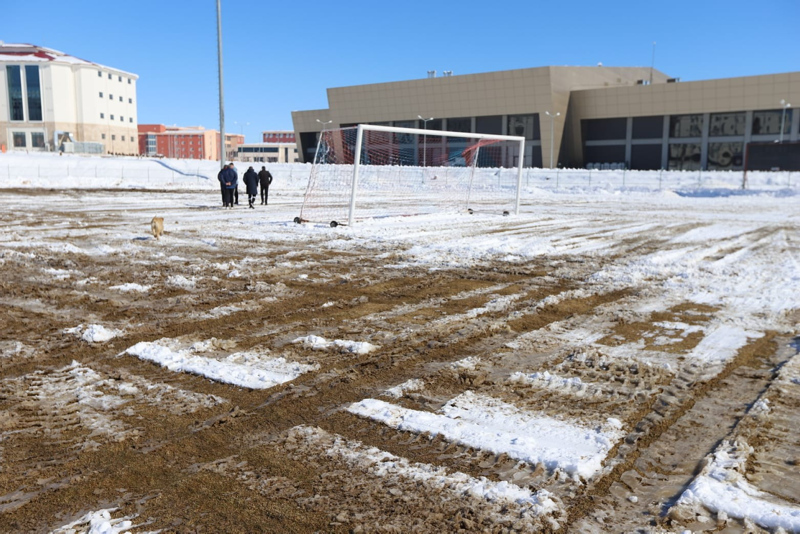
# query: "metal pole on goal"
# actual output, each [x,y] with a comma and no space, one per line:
[519,176]
[356,166]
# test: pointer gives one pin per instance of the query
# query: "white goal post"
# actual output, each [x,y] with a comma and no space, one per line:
[385,170]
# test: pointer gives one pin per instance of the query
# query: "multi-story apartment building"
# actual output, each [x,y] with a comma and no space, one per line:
[47,96]
[191,142]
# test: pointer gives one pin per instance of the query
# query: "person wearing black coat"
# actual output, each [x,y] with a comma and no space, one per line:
[229,180]
[251,181]
[265,178]
[222,185]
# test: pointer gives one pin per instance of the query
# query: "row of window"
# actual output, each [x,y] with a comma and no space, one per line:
[766,122]
[722,156]
[18,138]
[100,74]
[18,79]
[111,117]
[114,137]
[111,97]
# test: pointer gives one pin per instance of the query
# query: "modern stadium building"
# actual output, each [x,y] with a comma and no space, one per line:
[635,117]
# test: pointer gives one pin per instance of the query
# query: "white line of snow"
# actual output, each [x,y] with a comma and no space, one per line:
[492,425]
[249,371]
[320,343]
[383,464]
[722,487]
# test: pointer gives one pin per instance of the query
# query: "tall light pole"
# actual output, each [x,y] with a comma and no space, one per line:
[324,124]
[221,93]
[552,124]
[785,105]
[424,140]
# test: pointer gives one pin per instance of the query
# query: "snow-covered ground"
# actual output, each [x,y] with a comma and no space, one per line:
[709,269]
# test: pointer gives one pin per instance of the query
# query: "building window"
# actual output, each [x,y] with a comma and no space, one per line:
[112,117]
[120,99]
[100,73]
[34,92]
[121,118]
[130,119]
[111,97]
[113,137]
[130,101]
[109,75]
[19,139]
[526,126]
[604,130]
[769,122]
[37,140]
[685,126]
[101,94]
[492,124]
[725,156]
[102,115]
[129,81]
[648,128]
[726,124]
[453,125]
[123,137]
[120,79]
[102,136]
[684,157]
[14,82]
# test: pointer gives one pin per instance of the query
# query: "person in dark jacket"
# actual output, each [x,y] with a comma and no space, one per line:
[265,178]
[251,182]
[222,185]
[230,181]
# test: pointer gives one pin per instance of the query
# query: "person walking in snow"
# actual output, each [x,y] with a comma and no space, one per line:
[251,182]
[265,178]
[230,181]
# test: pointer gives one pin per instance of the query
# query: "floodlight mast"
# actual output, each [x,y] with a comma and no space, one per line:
[221,93]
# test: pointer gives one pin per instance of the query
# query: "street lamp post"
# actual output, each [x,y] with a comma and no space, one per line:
[785,105]
[424,140]
[324,124]
[552,124]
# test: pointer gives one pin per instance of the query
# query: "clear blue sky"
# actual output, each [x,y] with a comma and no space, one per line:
[281,56]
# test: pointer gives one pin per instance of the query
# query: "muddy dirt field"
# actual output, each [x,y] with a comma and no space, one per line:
[86,424]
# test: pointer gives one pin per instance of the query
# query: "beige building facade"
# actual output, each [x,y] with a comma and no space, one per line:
[634,117]
[277,152]
[47,96]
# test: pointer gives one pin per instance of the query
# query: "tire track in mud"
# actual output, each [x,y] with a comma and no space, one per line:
[676,402]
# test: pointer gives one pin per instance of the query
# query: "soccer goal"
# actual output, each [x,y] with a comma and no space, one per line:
[372,171]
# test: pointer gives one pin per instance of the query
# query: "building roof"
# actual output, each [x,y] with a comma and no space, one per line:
[28,53]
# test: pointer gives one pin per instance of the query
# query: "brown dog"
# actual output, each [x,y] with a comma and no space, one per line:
[157,226]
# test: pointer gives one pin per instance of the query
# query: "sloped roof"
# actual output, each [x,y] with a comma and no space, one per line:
[28,53]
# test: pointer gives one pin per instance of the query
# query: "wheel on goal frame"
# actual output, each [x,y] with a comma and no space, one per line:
[470,211]
[298,220]
[334,224]
[506,213]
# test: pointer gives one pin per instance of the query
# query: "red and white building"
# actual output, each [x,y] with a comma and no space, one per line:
[191,142]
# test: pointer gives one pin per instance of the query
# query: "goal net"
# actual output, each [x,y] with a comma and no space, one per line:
[380,171]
